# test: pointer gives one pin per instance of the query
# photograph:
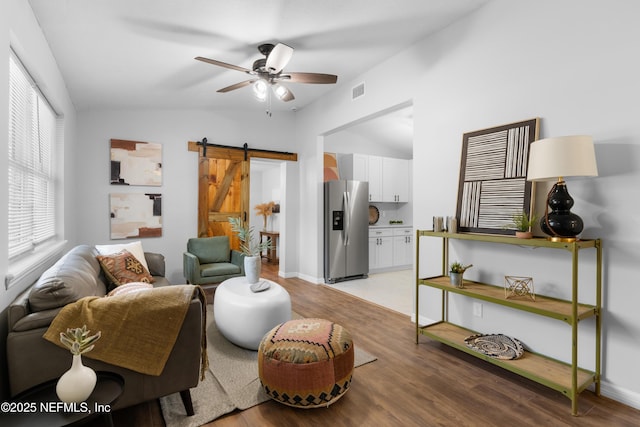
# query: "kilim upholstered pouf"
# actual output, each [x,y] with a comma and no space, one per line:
[306,363]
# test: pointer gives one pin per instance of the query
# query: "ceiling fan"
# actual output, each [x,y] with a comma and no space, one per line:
[268,71]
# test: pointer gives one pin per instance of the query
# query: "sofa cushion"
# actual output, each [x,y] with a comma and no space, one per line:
[38,319]
[74,276]
[155,263]
[161,281]
[123,267]
[210,249]
[219,269]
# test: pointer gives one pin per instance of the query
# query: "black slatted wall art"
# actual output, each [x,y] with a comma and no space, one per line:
[493,177]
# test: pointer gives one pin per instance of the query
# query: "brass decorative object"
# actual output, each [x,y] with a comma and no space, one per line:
[515,286]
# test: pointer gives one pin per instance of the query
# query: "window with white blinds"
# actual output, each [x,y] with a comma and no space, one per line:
[32,137]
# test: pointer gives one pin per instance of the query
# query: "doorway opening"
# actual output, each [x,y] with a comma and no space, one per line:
[388,133]
[266,195]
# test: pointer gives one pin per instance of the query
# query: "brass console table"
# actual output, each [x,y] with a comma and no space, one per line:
[567,378]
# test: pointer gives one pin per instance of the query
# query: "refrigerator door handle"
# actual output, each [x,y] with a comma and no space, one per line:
[347,216]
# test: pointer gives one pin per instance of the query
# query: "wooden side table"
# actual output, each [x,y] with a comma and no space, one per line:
[40,406]
[272,254]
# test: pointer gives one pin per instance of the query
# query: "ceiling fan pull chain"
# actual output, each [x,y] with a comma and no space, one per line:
[268,103]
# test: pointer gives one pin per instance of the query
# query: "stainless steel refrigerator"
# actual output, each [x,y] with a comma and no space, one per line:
[346,230]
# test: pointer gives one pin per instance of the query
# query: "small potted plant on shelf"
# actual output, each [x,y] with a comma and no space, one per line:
[522,223]
[455,273]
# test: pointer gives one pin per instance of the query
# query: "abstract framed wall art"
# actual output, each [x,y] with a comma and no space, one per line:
[136,163]
[493,182]
[135,215]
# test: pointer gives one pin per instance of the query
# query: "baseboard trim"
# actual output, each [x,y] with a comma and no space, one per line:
[620,394]
[286,275]
[311,279]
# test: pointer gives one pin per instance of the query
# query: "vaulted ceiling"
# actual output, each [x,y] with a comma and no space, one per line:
[140,53]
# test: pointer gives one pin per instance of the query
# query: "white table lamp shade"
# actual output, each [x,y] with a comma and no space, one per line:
[552,158]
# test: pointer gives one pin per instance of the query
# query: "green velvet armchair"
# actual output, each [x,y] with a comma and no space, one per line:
[210,260]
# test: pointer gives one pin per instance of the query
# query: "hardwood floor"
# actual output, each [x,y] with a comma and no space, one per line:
[427,384]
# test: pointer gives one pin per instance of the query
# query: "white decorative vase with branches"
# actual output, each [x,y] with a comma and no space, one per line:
[252,266]
[252,249]
[77,384]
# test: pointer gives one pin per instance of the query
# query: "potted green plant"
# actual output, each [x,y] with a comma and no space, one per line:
[522,223]
[78,382]
[250,247]
[455,273]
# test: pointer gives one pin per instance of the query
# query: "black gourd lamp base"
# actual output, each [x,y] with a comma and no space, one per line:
[561,224]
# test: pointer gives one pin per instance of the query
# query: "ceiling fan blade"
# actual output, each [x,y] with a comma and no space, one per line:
[236,86]
[316,78]
[224,64]
[278,58]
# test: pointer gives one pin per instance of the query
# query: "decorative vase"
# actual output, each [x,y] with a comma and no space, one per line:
[252,266]
[456,279]
[77,384]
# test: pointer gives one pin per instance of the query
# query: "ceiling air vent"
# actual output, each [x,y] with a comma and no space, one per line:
[357,91]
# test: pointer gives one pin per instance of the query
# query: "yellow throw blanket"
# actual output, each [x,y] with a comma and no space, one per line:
[138,329]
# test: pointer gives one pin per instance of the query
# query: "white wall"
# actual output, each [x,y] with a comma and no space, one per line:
[272,192]
[289,219]
[570,63]
[20,31]
[265,188]
[350,142]
[172,129]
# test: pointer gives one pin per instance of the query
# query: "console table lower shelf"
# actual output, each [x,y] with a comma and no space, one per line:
[541,369]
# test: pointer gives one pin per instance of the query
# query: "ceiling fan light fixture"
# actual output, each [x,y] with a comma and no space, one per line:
[260,88]
[279,90]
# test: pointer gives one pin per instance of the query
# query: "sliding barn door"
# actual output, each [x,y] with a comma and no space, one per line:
[224,187]
[223,192]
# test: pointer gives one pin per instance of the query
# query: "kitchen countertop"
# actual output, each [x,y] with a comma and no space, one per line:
[391,226]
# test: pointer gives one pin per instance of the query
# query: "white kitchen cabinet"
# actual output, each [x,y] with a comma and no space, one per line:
[376,181]
[395,185]
[360,167]
[402,246]
[390,248]
[388,178]
[380,248]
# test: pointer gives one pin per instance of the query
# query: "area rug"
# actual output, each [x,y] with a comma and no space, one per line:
[230,383]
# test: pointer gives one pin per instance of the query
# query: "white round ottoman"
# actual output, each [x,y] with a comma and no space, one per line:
[244,317]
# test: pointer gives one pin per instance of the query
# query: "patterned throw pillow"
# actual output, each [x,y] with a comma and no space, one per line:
[134,247]
[123,267]
[130,288]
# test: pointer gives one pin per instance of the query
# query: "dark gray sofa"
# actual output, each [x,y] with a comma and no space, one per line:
[33,360]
